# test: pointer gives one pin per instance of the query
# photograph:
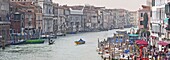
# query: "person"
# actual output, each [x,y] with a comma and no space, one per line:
[123,55]
[80,39]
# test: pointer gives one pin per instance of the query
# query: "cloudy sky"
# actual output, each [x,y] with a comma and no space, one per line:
[127,4]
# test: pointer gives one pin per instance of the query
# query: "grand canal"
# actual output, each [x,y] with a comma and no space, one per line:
[63,49]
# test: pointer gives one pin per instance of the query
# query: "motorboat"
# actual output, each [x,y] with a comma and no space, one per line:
[80,42]
[34,41]
[44,36]
[61,34]
[18,42]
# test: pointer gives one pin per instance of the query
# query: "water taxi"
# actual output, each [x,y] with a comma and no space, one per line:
[80,42]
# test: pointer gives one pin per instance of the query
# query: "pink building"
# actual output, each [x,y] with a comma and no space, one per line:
[142,13]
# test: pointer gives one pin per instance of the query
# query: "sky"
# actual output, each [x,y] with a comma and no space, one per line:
[132,5]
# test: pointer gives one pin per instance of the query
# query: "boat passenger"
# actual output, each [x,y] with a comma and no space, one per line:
[80,39]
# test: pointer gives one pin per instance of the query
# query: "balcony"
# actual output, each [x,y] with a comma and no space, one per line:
[5,22]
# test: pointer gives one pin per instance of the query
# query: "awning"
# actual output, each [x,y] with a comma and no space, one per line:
[133,35]
[166,20]
[119,41]
[141,42]
[163,43]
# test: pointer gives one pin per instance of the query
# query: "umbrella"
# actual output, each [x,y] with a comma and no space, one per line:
[141,42]
[138,41]
[166,20]
[162,43]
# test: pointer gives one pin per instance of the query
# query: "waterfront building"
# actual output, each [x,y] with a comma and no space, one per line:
[4,21]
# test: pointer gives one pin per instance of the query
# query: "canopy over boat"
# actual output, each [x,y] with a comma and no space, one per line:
[135,35]
[121,32]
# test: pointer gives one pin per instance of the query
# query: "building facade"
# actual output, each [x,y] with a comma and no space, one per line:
[133,18]
[47,10]
[144,17]
[4,21]
[23,19]
[158,16]
[75,20]
[60,13]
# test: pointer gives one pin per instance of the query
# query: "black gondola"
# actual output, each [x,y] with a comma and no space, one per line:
[50,41]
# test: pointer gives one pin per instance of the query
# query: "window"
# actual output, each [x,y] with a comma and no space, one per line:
[17,17]
[94,16]
[29,11]
[49,11]
[2,7]
[150,13]
[29,23]
[0,19]
[160,14]
[38,17]
[29,17]
[167,8]
[141,14]
[141,22]
[151,25]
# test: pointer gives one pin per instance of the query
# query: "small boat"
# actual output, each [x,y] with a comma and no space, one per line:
[80,42]
[61,34]
[44,36]
[72,32]
[35,41]
[18,42]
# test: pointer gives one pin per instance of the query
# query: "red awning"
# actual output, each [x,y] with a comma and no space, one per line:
[163,43]
[141,42]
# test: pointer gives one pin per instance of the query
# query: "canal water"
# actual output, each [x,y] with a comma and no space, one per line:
[63,49]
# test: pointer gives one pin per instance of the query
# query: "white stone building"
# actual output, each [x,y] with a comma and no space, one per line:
[133,18]
[75,21]
[47,10]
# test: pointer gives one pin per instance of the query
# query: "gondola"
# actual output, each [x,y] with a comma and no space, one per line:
[51,42]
